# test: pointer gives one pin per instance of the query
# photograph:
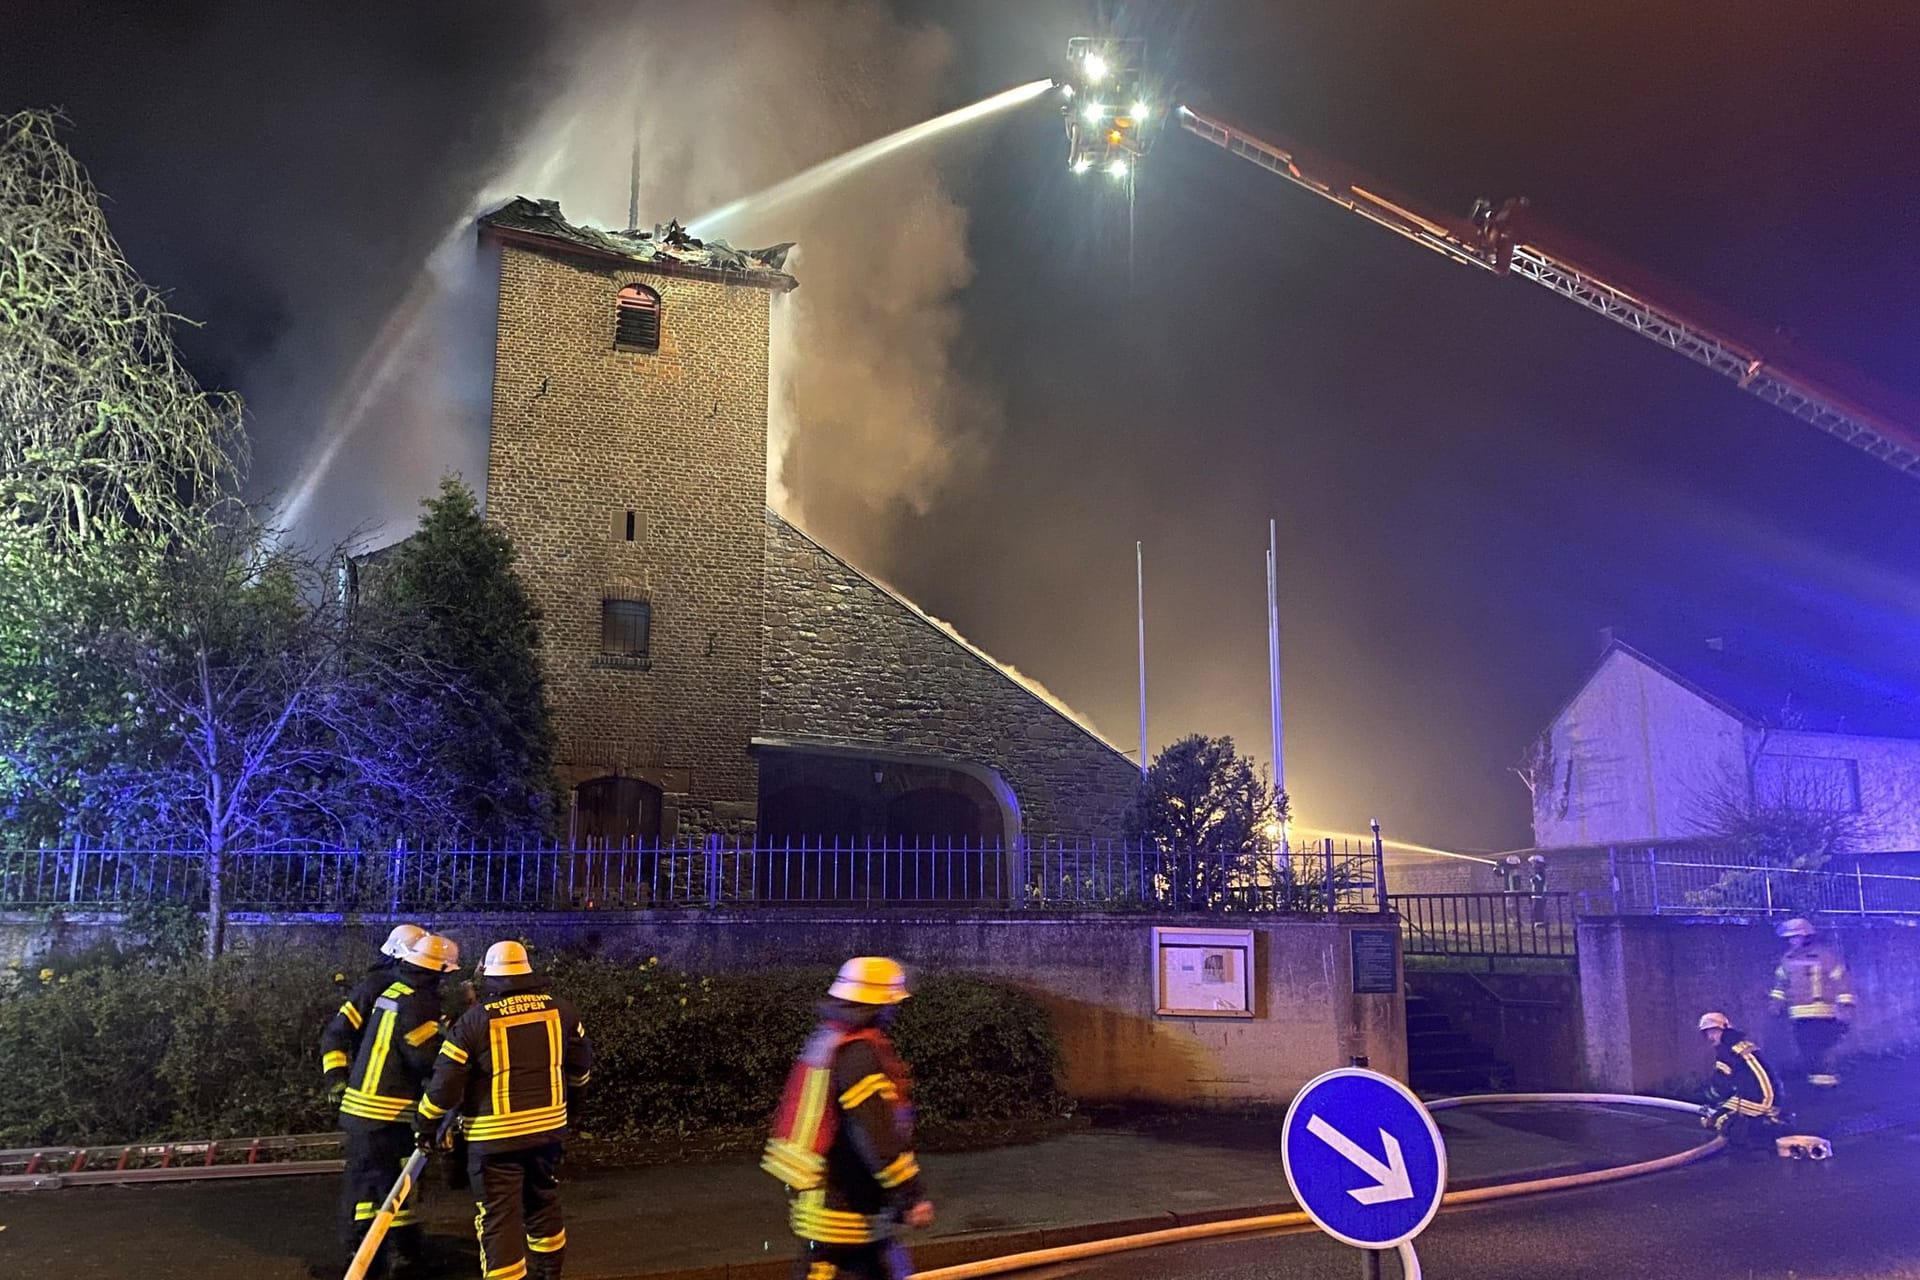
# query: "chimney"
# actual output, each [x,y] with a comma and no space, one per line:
[1609,636]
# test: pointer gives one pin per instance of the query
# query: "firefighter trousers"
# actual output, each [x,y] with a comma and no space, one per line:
[375,1157]
[880,1260]
[518,1194]
[1815,1039]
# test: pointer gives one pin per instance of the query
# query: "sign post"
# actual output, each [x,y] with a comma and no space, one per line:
[1365,1161]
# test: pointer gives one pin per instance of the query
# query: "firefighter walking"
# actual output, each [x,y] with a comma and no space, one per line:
[842,1140]
[1742,1095]
[512,1066]
[395,1055]
[1812,988]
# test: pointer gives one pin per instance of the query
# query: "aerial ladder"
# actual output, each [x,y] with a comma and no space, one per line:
[1512,240]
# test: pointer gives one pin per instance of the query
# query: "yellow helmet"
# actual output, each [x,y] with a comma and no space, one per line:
[402,937]
[870,980]
[431,951]
[504,959]
[1798,927]
[1715,1021]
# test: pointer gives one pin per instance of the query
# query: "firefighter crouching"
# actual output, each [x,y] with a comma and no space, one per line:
[1744,1102]
[341,1038]
[395,1055]
[843,1138]
[512,1067]
[1812,988]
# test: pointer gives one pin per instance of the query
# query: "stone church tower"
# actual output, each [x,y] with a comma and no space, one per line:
[628,461]
[713,670]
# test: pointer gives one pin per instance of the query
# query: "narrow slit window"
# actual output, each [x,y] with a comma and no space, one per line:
[630,526]
[637,325]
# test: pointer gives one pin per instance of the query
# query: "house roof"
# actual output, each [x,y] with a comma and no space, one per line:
[1796,692]
[670,250]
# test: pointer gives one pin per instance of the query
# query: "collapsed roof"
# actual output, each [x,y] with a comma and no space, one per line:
[668,248]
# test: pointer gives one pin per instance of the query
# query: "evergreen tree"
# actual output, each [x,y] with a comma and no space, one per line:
[1211,815]
[448,597]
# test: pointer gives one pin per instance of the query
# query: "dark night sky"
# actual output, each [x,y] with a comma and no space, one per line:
[1472,477]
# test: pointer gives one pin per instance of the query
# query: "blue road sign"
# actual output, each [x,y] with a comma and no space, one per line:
[1364,1158]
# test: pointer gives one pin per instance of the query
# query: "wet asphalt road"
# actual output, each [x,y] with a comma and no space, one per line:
[1753,1217]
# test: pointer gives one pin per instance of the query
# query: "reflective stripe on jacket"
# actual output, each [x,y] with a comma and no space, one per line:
[396,1052]
[842,1140]
[509,1064]
[1813,981]
[1742,1084]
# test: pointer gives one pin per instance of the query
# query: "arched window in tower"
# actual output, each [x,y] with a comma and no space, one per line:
[637,325]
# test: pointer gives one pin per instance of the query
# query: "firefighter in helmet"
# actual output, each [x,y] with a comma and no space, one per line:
[1743,1101]
[843,1138]
[340,1039]
[390,1067]
[512,1067]
[1812,988]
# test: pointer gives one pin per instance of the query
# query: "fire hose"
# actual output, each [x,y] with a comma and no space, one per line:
[1297,1221]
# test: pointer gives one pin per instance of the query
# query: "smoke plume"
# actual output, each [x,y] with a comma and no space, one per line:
[871,416]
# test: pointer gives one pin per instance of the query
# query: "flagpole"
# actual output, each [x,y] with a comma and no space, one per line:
[1140,603]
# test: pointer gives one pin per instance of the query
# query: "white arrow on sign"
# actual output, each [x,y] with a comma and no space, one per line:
[1391,1175]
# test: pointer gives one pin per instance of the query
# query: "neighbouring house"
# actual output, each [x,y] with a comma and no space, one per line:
[1637,753]
[715,671]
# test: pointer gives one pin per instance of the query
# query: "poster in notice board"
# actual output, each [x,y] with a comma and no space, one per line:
[1203,973]
[1374,970]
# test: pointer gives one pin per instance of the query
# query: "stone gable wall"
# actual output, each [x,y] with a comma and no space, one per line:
[849,665]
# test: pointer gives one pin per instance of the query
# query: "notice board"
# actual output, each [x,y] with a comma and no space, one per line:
[1203,973]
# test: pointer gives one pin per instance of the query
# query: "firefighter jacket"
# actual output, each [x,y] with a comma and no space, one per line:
[1741,1084]
[396,1051]
[340,1041]
[510,1064]
[843,1138]
[1812,981]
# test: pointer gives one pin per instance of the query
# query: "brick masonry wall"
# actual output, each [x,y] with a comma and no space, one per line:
[849,664]
[582,432]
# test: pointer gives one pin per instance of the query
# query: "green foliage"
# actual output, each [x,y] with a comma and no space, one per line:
[134,1046]
[447,600]
[1213,817]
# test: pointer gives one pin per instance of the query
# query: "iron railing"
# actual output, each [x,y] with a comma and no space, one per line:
[1653,881]
[1039,873]
[1493,925]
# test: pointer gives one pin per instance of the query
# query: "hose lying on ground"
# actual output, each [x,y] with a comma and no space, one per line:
[1298,1221]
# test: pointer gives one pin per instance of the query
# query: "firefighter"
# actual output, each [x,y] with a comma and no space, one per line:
[843,1138]
[340,1040]
[391,1065]
[1742,1097]
[512,1067]
[1812,988]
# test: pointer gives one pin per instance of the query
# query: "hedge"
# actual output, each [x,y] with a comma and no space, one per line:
[115,1048]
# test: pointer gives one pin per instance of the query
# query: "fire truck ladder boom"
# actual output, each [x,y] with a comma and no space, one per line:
[1512,240]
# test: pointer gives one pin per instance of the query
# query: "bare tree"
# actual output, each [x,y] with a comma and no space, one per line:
[1786,819]
[275,720]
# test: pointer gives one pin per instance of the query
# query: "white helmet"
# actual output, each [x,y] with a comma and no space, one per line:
[505,959]
[431,951]
[1798,927]
[1715,1022]
[401,939]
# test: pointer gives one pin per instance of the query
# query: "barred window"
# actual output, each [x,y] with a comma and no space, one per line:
[637,324]
[626,628]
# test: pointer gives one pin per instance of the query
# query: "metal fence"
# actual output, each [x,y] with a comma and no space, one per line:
[1493,925]
[1654,881]
[1042,873]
